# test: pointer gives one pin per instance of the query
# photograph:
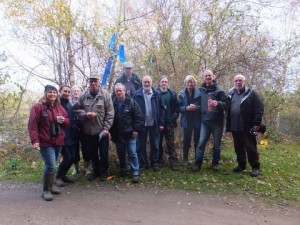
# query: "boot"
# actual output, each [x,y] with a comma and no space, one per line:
[76,169]
[174,166]
[47,196]
[53,189]
[186,156]
[87,168]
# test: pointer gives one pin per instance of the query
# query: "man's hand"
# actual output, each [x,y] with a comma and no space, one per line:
[256,128]
[134,134]
[105,132]
[91,115]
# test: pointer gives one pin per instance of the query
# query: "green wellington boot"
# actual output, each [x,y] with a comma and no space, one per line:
[47,196]
[53,189]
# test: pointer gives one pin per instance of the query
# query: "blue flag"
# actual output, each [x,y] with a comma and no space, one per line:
[122,56]
[112,43]
[107,70]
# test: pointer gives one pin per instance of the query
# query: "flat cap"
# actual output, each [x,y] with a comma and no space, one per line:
[128,65]
[94,76]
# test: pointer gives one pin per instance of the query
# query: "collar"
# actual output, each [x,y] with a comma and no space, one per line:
[148,93]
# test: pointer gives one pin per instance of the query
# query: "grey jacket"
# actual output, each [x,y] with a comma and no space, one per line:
[102,105]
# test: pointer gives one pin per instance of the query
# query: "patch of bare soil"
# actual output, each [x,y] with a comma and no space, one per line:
[95,203]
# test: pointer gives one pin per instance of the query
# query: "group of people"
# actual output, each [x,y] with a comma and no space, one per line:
[64,120]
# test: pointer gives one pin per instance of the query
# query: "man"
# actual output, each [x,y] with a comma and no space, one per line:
[128,121]
[96,109]
[245,113]
[171,103]
[213,104]
[131,81]
[153,113]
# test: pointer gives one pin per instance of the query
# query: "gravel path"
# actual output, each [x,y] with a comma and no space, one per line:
[21,203]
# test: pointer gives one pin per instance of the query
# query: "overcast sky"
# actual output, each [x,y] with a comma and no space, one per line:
[277,18]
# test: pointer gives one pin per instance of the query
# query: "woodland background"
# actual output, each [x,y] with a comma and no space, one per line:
[64,41]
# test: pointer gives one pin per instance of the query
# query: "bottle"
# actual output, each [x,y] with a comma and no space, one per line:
[209,105]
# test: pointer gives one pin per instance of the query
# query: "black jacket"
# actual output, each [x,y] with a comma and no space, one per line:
[135,79]
[251,109]
[175,106]
[216,93]
[72,130]
[127,119]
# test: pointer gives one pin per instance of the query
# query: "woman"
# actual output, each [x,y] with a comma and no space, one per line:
[46,125]
[76,91]
[71,138]
[189,99]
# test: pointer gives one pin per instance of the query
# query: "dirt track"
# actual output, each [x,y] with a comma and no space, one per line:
[21,203]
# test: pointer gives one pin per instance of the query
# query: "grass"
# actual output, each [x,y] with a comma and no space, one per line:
[279,181]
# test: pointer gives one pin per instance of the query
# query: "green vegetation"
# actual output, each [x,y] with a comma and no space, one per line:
[279,181]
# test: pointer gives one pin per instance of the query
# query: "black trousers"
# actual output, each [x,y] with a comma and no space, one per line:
[84,150]
[245,146]
[98,153]
[68,156]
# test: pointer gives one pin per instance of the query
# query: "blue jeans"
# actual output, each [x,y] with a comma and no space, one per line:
[128,147]
[50,155]
[216,129]
[68,157]
[154,145]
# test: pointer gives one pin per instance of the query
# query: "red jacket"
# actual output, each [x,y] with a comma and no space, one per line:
[39,124]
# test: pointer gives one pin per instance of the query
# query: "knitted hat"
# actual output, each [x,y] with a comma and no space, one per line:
[50,88]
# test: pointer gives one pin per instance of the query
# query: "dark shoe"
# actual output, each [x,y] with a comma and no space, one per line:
[155,167]
[161,163]
[174,167]
[91,176]
[238,169]
[196,168]
[135,179]
[67,180]
[59,182]
[144,167]
[255,172]
[102,177]
[124,173]
[87,168]
[215,168]
[185,163]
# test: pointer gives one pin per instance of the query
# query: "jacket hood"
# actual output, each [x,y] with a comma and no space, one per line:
[209,88]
